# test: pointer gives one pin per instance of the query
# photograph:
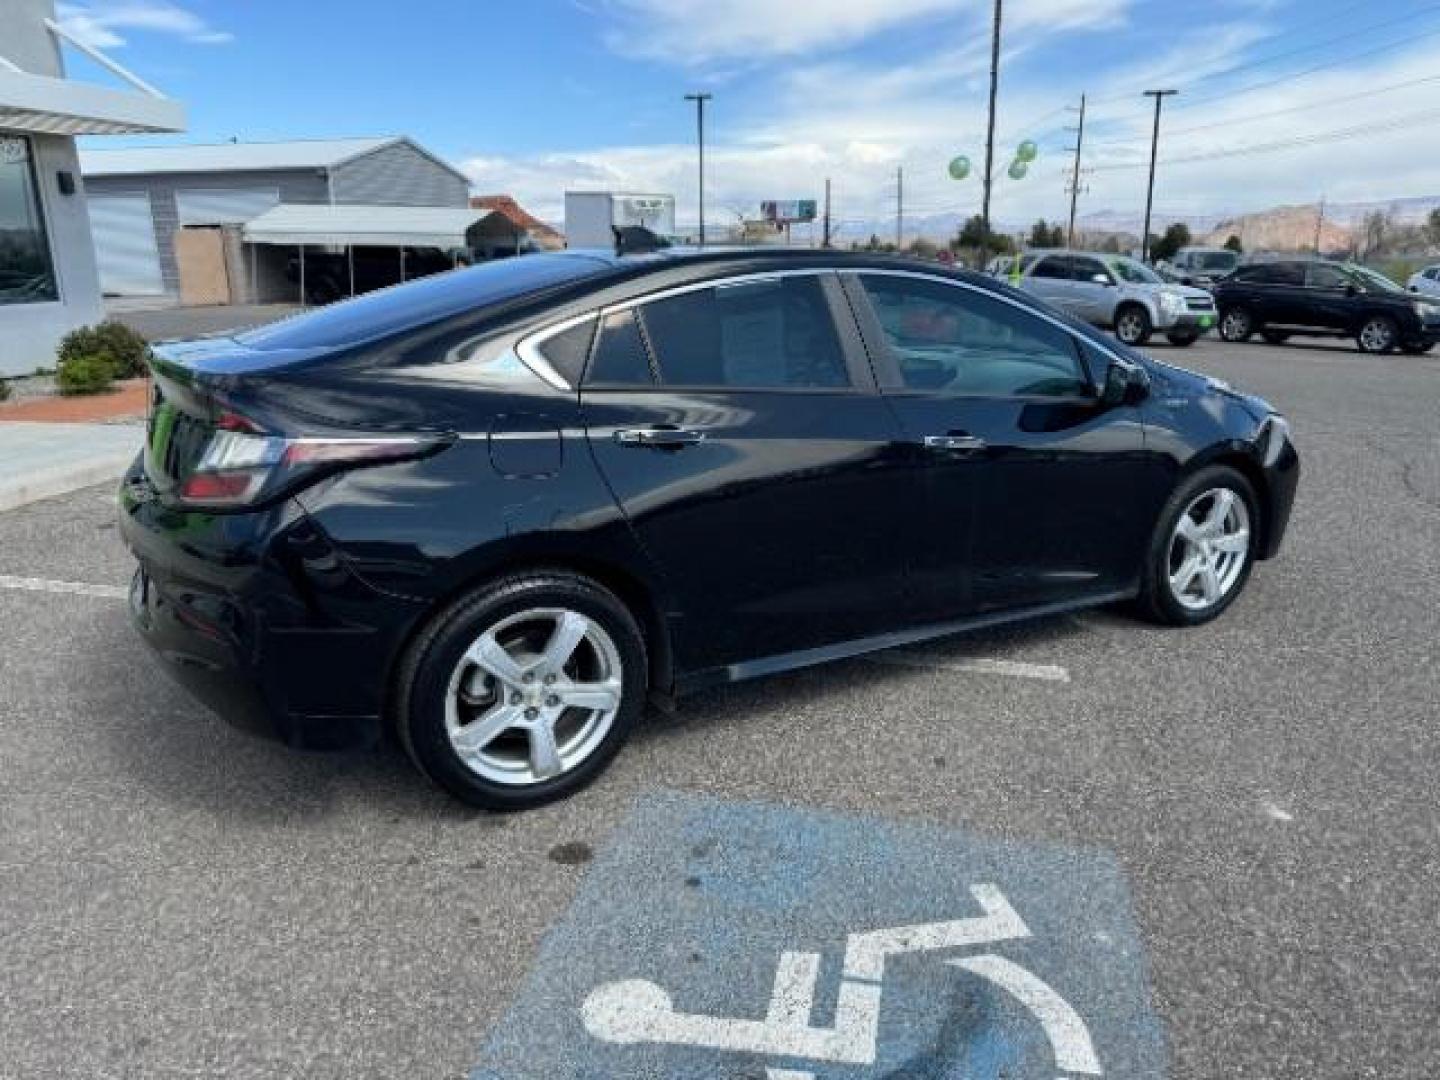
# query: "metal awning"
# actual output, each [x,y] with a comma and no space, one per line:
[364,226]
[51,106]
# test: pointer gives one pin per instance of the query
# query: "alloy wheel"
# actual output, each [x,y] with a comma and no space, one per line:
[1235,326]
[1130,328]
[1209,549]
[1377,336]
[534,696]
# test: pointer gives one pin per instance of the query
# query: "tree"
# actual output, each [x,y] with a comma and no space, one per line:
[1110,245]
[1176,237]
[1042,235]
[1375,231]
[1431,228]
[974,234]
[923,248]
[1234,244]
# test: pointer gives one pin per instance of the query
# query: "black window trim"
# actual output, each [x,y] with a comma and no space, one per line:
[528,349]
[891,383]
[857,367]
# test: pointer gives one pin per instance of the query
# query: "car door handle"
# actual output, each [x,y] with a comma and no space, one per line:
[658,437]
[954,442]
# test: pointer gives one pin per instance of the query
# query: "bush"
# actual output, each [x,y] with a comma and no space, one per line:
[4,390]
[85,375]
[115,343]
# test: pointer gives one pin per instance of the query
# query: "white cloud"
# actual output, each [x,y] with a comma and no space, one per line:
[100,23]
[699,31]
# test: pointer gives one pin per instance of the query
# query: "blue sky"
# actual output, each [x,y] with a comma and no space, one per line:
[539,97]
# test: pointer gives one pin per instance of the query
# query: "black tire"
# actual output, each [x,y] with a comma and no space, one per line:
[1275,337]
[1415,350]
[1236,325]
[424,678]
[1156,601]
[1377,335]
[1182,341]
[1132,325]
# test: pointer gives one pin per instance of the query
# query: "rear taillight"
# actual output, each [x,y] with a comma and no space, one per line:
[240,465]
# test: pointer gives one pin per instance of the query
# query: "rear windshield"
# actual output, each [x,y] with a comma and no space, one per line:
[416,303]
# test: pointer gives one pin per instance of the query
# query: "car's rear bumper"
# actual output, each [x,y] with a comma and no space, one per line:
[262,620]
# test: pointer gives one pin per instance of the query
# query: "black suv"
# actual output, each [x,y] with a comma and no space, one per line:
[1314,297]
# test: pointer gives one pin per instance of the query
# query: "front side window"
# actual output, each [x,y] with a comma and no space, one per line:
[766,333]
[1054,266]
[1086,270]
[1137,273]
[952,340]
[27,275]
[1287,273]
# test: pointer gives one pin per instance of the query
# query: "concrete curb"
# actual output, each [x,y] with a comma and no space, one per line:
[63,479]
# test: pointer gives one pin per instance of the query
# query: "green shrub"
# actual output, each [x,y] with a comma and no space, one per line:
[122,348]
[4,390]
[85,375]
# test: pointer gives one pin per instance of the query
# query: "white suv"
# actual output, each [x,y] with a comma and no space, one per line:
[1119,292]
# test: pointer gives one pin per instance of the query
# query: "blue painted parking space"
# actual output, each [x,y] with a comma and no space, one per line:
[714,939]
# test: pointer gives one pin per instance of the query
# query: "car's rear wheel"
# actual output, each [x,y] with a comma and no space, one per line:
[1182,340]
[1203,548]
[1275,337]
[1236,325]
[1377,335]
[523,691]
[1415,350]
[1132,325]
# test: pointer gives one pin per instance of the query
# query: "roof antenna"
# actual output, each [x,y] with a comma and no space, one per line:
[635,240]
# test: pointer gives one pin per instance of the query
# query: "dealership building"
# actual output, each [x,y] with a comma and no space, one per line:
[48,279]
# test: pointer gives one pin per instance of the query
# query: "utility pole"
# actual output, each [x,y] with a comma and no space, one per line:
[700,100]
[899,207]
[990,132]
[1075,174]
[826,242]
[1159,96]
[1319,224]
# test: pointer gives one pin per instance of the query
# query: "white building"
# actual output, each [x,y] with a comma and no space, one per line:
[48,279]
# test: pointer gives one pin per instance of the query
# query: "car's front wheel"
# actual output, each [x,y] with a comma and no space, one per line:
[1203,548]
[1416,350]
[1275,337]
[1182,340]
[523,691]
[1377,335]
[1236,325]
[1132,325]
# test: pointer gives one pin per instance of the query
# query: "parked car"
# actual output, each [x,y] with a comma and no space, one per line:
[1203,266]
[1425,281]
[1117,291]
[499,508]
[1317,298]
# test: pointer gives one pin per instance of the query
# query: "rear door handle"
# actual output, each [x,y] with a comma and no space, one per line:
[955,442]
[658,436]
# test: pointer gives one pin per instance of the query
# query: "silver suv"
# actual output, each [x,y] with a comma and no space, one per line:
[1203,265]
[1119,292]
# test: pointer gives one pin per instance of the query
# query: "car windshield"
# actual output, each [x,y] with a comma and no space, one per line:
[1371,280]
[1137,273]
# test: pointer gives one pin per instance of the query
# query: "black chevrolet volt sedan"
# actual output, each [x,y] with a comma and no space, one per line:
[498,509]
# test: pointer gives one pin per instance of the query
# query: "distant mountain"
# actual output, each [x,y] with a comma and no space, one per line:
[1286,228]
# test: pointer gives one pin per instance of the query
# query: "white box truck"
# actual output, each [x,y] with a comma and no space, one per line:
[591,217]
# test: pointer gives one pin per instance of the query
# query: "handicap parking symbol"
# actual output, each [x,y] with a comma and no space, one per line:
[720,940]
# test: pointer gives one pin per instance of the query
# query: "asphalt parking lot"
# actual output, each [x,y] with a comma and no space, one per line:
[1251,807]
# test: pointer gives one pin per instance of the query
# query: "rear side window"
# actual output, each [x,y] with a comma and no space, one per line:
[1288,273]
[1252,275]
[568,350]
[1052,267]
[620,357]
[1082,269]
[1323,276]
[951,340]
[770,333]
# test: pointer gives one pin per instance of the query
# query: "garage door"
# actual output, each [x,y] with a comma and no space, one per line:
[232,206]
[125,248]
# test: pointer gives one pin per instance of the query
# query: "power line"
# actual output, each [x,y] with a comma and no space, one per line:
[1293,143]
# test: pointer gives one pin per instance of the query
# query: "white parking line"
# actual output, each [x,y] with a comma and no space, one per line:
[76,588]
[977,666]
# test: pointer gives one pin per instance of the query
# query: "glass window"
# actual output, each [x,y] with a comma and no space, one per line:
[770,332]
[1287,273]
[952,340]
[1135,272]
[568,350]
[1325,276]
[620,357]
[26,273]
[1373,281]
[1084,269]
[1053,266]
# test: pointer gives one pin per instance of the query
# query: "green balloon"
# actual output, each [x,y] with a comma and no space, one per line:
[1027,151]
[1018,169]
[959,167]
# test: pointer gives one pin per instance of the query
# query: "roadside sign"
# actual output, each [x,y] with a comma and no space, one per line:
[789,211]
[716,940]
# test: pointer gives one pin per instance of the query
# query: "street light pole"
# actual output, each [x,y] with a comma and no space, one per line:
[700,100]
[1159,96]
[990,132]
